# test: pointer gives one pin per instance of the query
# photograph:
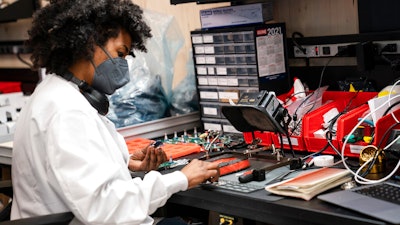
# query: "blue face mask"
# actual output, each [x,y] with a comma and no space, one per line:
[111,74]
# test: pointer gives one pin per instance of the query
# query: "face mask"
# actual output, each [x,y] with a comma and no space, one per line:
[111,74]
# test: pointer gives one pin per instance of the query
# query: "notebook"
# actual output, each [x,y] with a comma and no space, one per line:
[381,201]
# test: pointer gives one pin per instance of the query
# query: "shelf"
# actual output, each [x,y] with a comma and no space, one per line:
[158,128]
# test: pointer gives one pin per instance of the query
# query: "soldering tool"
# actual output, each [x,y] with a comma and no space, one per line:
[259,174]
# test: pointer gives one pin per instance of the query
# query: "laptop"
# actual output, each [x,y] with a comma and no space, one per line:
[381,201]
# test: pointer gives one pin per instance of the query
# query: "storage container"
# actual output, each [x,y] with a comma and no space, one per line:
[354,104]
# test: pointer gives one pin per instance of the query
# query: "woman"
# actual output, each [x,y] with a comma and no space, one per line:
[67,155]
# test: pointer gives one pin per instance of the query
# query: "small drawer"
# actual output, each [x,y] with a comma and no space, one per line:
[211,124]
[230,60]
[228,37]
[252,70]
[208,94]
[227,127]
[201,70]
[229,49]
[242,71]
[253,81]
[248,36]
[251,60]
[210,109]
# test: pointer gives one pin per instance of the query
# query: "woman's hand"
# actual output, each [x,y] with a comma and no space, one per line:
[147,159]
[198,171]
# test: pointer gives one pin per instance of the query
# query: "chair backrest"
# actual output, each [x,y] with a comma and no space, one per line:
[6,211]
[52,219]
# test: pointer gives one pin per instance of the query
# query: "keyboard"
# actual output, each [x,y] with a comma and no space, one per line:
[383,191]
[234,186]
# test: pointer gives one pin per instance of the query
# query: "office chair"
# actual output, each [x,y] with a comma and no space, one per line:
[52,219]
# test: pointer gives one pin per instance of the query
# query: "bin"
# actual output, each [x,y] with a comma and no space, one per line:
[355,105]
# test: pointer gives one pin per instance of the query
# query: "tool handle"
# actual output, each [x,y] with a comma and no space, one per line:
[246,177]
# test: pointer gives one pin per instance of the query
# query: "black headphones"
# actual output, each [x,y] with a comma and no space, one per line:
[98,100]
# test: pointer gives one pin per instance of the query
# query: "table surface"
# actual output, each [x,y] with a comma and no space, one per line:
[267,208]
[258,207]
[264,207]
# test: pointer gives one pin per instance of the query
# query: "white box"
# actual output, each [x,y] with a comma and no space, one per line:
[236,15]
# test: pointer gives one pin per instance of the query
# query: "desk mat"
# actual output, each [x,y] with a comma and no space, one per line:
[173,151]
[254,189]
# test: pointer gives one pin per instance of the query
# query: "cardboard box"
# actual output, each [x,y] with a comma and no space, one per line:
[236,15]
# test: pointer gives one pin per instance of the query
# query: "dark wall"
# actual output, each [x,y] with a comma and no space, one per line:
[370,65]
[337,76]
[377,16]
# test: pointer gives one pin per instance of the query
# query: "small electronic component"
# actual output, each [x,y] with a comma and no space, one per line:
[172,164]
[157,144]
[357,136]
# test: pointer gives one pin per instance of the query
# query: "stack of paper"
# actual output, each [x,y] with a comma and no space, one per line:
[310,184]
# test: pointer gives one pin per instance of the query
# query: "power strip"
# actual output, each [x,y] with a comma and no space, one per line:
[14,49]
[388,47]
[331,50]
[314,51]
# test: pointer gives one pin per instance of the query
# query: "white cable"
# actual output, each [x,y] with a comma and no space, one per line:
[361,180]
[391,143]
[208,147]
[390,98]
[361,167]
[357,177]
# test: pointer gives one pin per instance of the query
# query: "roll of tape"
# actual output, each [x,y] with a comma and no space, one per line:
[323,160]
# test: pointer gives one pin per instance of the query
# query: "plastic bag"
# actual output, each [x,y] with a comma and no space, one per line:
[163,47]
[184,97]
[143,99]
[146,96]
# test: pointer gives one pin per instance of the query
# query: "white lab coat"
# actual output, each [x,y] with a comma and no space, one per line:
[67,157]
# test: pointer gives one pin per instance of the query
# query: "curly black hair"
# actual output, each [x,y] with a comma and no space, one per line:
[67,30]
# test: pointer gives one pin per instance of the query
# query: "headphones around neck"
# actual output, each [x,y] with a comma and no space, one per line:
[98,100]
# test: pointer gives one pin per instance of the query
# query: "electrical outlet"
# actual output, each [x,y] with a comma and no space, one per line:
[388,47]
[310,51]
[4,49]
[14,49]
[326,50]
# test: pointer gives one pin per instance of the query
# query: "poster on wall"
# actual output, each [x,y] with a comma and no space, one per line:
[272,63]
